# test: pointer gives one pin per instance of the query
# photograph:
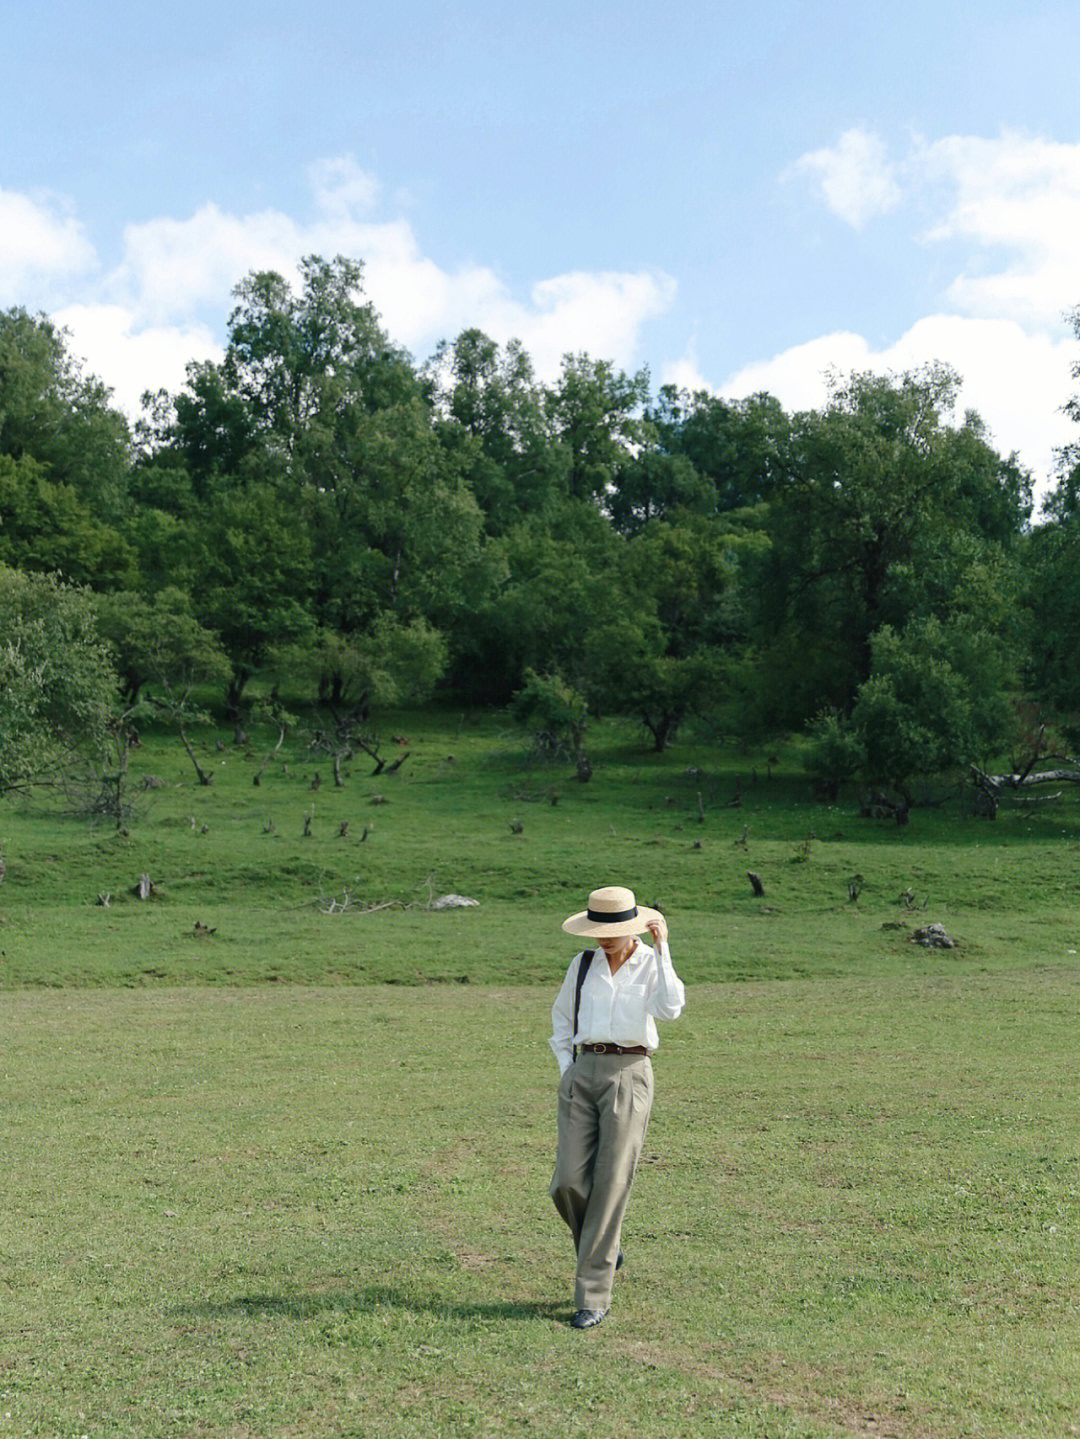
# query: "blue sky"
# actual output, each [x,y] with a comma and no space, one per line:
[739,196]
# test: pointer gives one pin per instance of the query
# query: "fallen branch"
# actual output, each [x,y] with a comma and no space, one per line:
[1025,780]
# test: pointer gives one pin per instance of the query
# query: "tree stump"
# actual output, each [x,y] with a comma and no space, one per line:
[755,881]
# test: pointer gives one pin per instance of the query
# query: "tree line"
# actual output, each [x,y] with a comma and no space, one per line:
[319,509]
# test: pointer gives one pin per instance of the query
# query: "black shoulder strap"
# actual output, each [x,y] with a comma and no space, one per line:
[583,969]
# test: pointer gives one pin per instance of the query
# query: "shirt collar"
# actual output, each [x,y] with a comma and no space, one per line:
[641,949]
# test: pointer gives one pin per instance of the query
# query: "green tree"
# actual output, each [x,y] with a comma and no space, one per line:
[936,700]
[159,642]
[52,413]
[667,650]
[56,680]
[251,579]
[46,526]
[491,415]
[653,485]
[738,446]
[390,663]
[878,489]
[557,714]
[552,579]
[394,527]
[295,358]
[595,415]
[196,441]
[323,497]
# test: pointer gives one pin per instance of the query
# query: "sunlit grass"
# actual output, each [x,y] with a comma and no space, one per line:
[276,1141]
[311,1212]
[233,859]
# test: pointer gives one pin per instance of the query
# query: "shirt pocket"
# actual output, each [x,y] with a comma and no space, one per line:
[629,1012]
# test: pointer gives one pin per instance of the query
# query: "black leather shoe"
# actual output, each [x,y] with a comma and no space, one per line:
[586,1318]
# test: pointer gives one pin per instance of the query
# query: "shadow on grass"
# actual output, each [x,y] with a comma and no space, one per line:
[363,1301]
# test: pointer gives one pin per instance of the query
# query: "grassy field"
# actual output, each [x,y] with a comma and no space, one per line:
[308,1211]
[233,858]
[286,1174]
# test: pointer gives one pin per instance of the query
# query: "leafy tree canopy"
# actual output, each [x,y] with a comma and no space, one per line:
[52,413]
[56,678]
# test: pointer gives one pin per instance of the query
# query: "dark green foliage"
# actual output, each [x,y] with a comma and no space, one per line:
[313,494]
[45,525]
[555,713]
[56,679]
[881,499]
[53,414]
[159,642]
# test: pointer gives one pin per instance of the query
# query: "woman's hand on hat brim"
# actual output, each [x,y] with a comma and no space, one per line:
[658,929]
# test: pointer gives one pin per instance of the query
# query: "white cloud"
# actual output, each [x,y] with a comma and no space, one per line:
[41,243]
[174,273]
[341,187]
[685,373]
[131,358]
[602,313]
[856,179]
[173,268]
[1012,202]
[1012,378]
[1015,196]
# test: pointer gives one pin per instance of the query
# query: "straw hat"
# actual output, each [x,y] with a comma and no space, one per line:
[612,911]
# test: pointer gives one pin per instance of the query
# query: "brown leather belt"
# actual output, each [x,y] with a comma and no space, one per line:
[613,1048]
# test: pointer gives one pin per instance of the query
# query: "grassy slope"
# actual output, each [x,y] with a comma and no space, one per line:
[1007,890]
[235,1209]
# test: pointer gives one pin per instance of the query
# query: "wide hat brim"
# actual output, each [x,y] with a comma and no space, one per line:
[607,929]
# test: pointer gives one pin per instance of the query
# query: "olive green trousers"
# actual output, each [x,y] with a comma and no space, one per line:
[604,1104]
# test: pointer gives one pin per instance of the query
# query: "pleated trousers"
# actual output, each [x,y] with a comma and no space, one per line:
[604,1105]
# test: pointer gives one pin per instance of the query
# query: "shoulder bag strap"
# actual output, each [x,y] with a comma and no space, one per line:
[583,969]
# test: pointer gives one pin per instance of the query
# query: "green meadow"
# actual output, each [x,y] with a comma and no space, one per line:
[277,1138]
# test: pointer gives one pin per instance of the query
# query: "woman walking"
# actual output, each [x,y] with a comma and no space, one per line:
[603,1033]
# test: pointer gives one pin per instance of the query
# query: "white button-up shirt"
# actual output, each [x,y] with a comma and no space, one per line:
[620,1008]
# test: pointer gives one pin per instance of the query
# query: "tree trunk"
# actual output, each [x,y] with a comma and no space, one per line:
[205,777]
[664,729]
[256,778]
[234,691]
